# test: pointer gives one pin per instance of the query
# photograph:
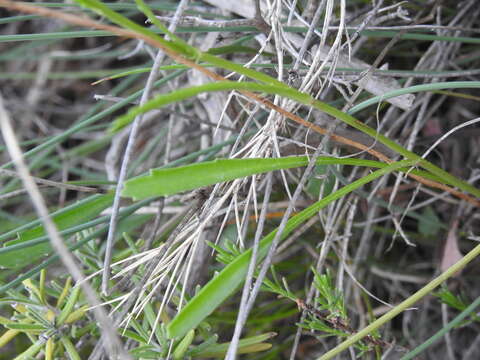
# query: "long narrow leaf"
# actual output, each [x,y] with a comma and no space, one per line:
[162,182]
[415,89]
[247,345]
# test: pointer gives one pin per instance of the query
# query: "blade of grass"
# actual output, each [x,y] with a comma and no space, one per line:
[415,89]
[67,214]
[187,30]
[162,182]
[77,215]
[420,37]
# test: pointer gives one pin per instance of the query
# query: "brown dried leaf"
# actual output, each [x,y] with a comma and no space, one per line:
[451,253]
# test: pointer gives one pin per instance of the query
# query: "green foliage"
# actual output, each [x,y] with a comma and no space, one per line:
[246,346]
[429,224]
[322,179]
[227,254]
[183,345]
[454,301]
[277,287]
[414,89]
[329,298]
[457,302]
[47,317]
[14,254]
[328,316]
[161,182]
[225,283]
[53,318]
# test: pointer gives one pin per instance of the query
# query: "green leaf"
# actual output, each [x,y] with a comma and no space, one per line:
[212,340]
[145,352]
[447,297]
[151,16]
[140,331]
[322,177]
[8,336]
[77,214]
[245,346]
[231,277]
[70,348]
[31,351]
[183,345]
[221,349]
[25,327]
[63,295]
[69,306]
[80,212]
[415,89]
[133,335]
[161,182]
[19,300]
[32,289]
[429,224]
[186,93]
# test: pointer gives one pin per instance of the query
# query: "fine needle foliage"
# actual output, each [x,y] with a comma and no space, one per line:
[258,179]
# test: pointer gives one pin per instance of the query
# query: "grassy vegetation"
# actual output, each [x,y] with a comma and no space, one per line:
[249,179]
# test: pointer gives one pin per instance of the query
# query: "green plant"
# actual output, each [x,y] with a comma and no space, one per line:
[212,180]
[51,317]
